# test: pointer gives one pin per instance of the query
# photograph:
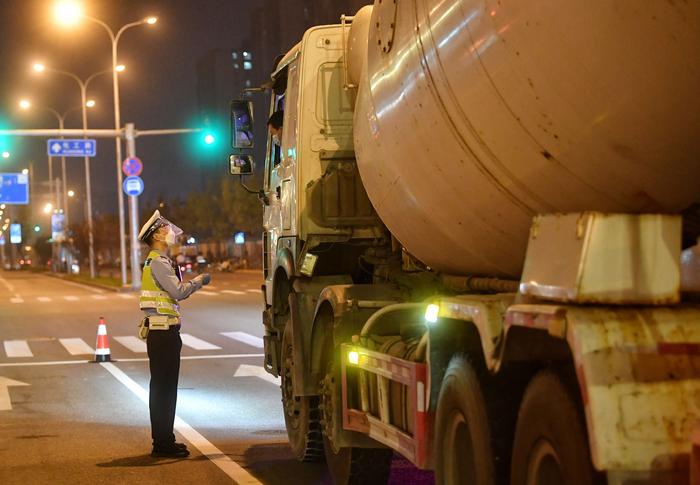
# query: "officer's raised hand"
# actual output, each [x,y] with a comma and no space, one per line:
[204,279]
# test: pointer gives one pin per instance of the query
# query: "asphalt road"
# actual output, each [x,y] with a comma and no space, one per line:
[66,420]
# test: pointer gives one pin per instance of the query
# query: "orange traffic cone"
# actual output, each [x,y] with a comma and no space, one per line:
[102,345]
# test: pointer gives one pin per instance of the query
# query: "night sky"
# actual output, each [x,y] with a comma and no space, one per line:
[158,89]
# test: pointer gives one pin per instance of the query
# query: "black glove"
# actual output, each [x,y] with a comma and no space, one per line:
[206,279]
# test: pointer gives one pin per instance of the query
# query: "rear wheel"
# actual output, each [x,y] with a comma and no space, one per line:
[301,414]
[350,465]
[551,444]
[463,452]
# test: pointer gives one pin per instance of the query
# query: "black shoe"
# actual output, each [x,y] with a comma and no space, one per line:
[171,451]
[181,445]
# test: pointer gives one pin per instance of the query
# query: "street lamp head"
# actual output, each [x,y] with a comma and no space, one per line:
[120,68]
[25,171]
[39,67]
[151,20]
[67,13]
[5,154]
[48,208]
[25,104]
[71,193]
[90,103]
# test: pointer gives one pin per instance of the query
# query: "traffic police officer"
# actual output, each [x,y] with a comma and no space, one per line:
[161,288]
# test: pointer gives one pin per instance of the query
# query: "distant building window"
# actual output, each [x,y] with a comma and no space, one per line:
[247,83]
[247,65]
[236,65]
[234,55]
[247,55]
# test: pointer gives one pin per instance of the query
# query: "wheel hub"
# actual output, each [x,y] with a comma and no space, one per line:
[544,467]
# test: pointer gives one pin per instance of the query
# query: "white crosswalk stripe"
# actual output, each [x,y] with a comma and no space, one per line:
[132,343]
[16,299]
[246,338]
[71,298]
[196,343]
[233,292]
[126,296]
[76,346]
[98,297]
[246,370]
[44,299]
[256,290]
[207,293]
[17,348]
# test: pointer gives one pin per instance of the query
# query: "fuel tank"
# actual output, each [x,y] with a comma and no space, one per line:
[473,116]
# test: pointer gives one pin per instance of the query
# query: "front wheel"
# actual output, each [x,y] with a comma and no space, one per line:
[463,452]
[551,445]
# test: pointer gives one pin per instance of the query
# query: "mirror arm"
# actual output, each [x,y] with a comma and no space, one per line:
[260,193]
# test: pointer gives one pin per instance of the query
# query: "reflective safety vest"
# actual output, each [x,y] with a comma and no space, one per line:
[152,297]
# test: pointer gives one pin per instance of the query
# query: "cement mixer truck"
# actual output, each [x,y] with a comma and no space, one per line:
[480,240]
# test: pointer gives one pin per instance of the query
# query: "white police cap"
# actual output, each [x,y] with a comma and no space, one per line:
[151,225]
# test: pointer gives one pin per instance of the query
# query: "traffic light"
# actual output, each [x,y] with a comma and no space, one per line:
[37,228]
[209,138]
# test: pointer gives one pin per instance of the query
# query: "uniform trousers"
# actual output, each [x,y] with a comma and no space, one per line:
[164,361]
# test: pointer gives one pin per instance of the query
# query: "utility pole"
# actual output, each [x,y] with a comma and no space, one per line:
[130,135]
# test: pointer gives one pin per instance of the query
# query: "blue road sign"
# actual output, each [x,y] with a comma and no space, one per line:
[71,148]
[14,188]
[133,186]
[132,167]
[15,233]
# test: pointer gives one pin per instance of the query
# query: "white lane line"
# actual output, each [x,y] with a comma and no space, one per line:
[256,290]
[71,298]
[125,296]
[245,370]
[246,338]
[84,287]
[196,343]
[132,343]
[16,299]
[208,293]
[98,297]
[7,285]
[44,299]
[233,292]
[140,359]
[17,348]
[212,287]
[227,465]
[76,346]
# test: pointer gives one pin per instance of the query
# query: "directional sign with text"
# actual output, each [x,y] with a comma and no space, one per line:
[132,167]
[71,148]
[133,186]
[14,188]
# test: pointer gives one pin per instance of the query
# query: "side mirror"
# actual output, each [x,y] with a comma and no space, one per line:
[241,124]
[241,164]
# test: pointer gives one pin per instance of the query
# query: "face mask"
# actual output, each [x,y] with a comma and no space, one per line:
[276,140]
[170,238]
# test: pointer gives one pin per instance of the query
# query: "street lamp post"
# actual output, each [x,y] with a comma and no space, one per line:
[69,13]
[88,190]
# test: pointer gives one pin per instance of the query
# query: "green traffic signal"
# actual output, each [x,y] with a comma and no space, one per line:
[209,139]
[37,228]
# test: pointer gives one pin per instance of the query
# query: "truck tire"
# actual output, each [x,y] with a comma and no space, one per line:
[301,413]
[358,466]
[462,452]
[347,466]
[551,444]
